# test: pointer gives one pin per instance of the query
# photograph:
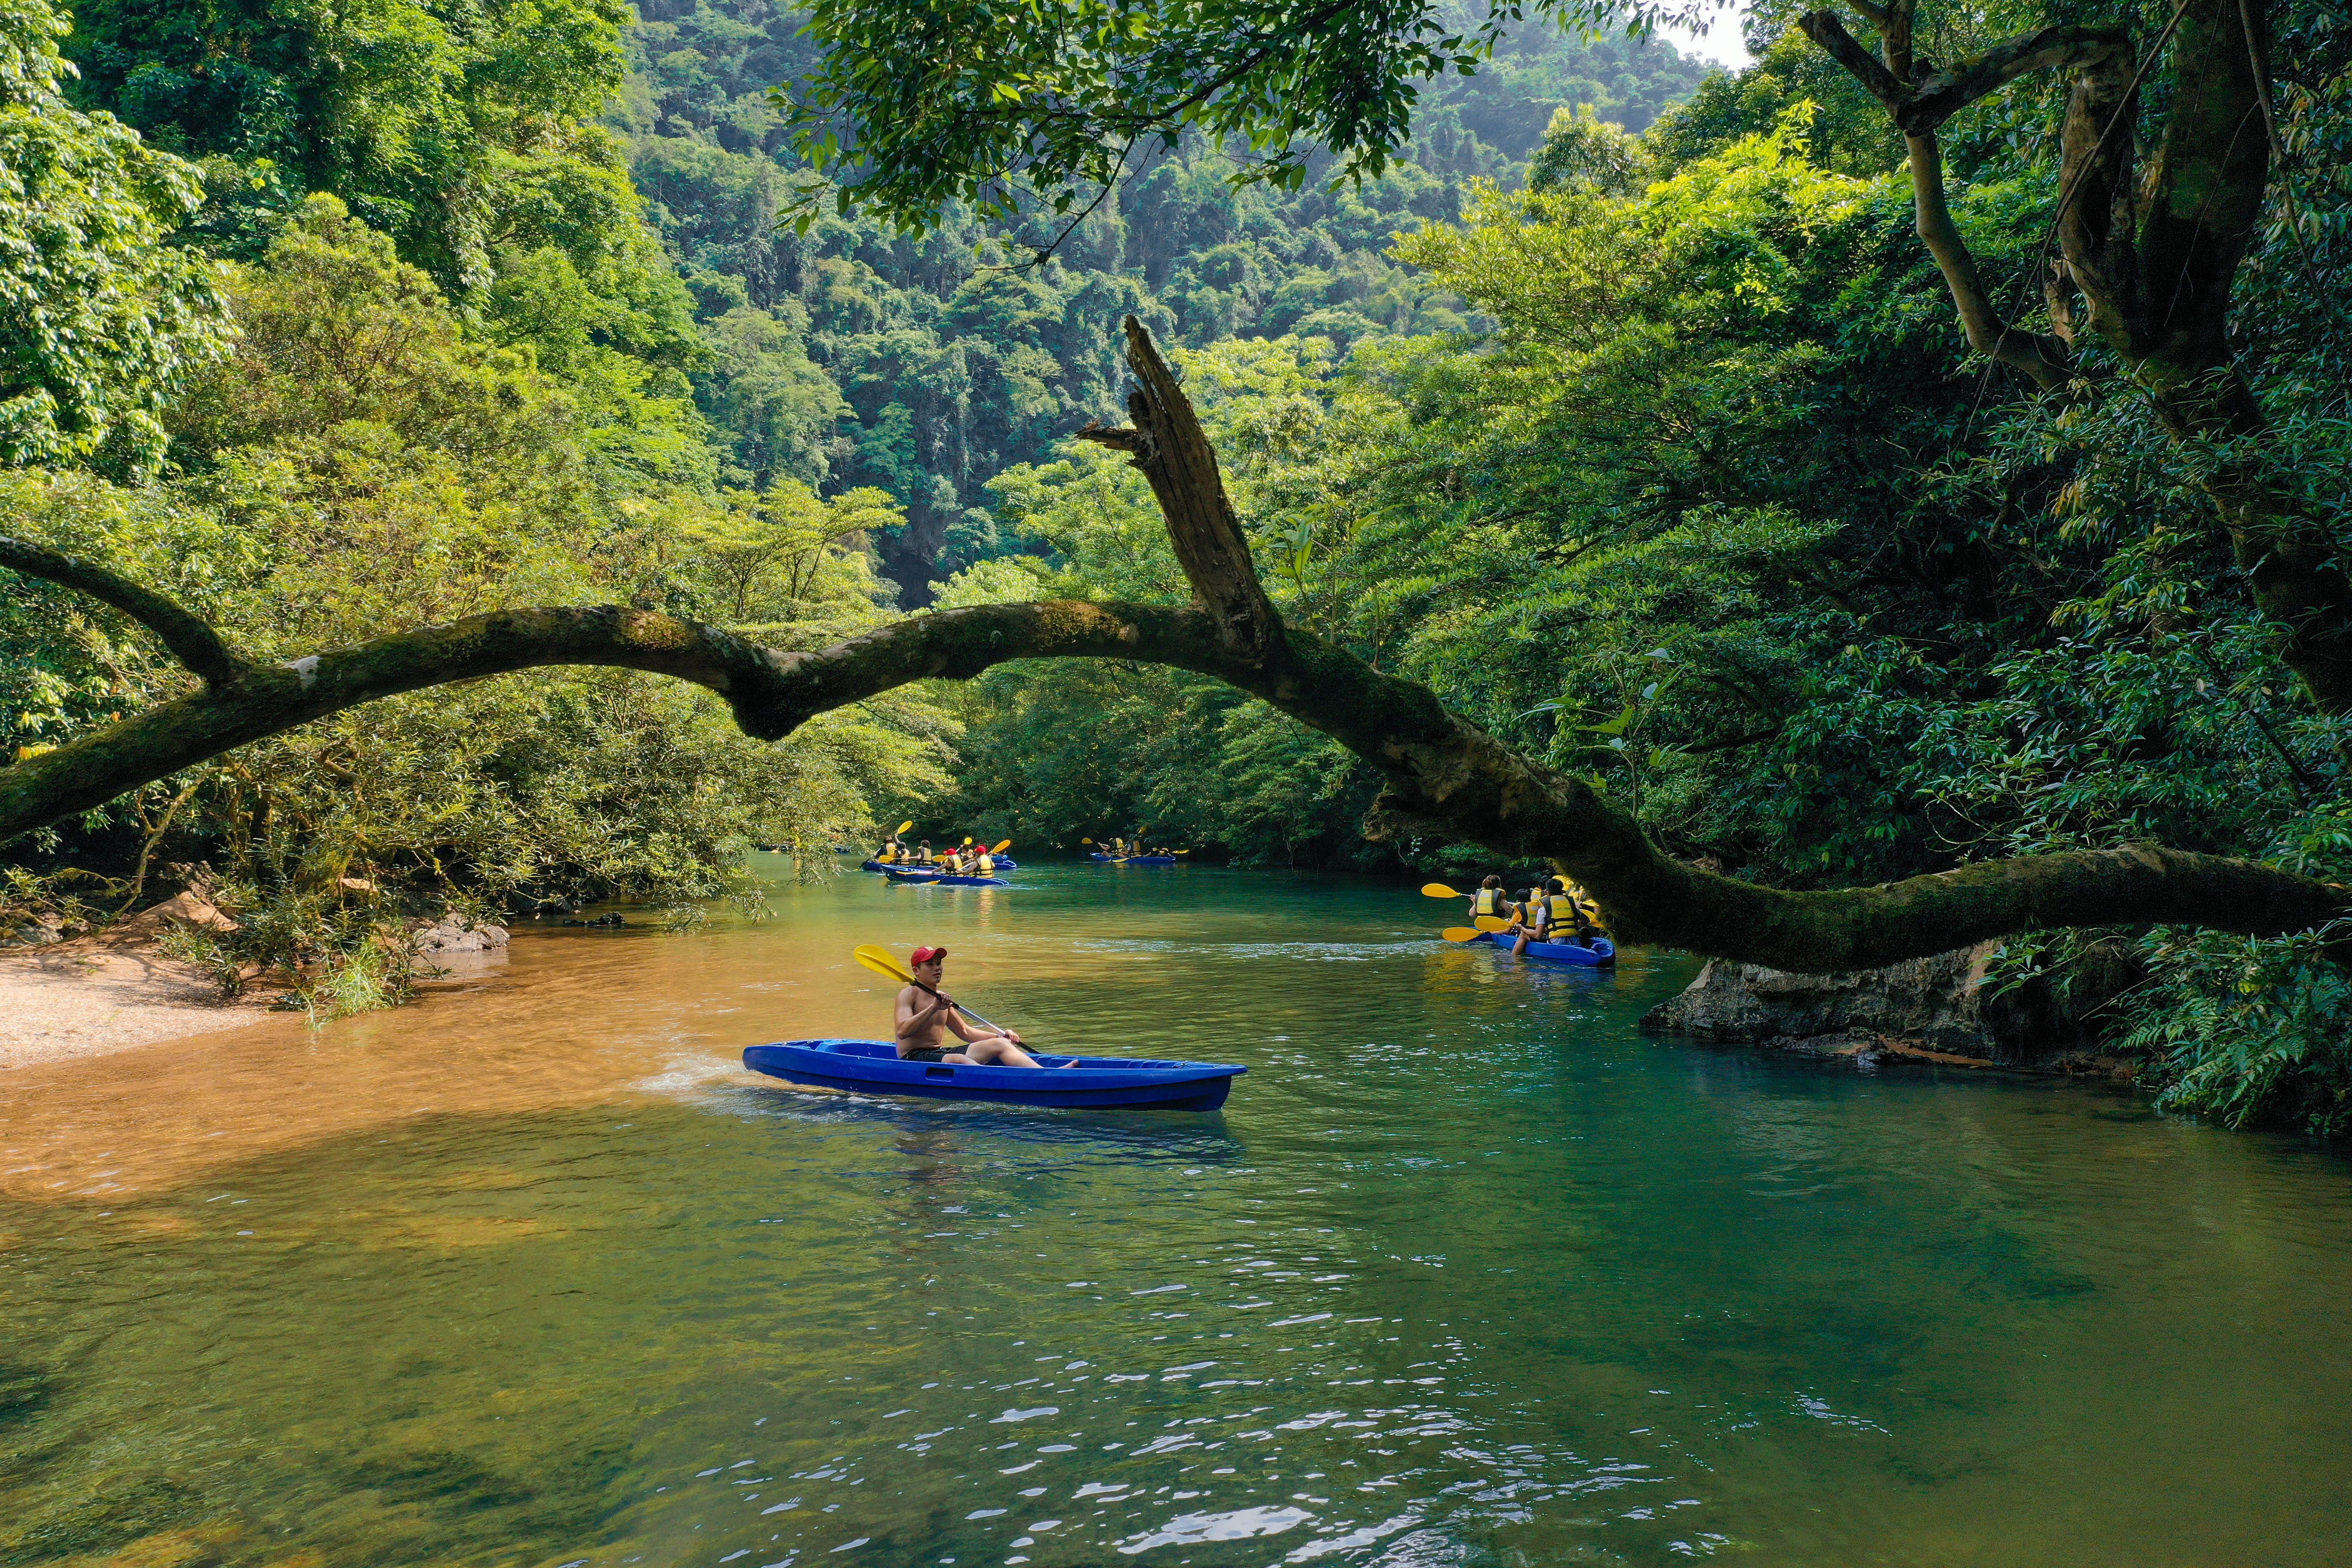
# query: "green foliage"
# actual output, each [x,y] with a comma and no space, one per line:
[99,321]
[953,366]
[367,463]
[1849,135]
[1015,110]
[1583,153]
[437,123]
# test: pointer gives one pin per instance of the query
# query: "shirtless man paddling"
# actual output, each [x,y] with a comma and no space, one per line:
[927,1019]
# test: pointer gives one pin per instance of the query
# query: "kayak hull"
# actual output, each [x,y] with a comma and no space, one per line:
[1601,954]
[936,878]
[932,874]
[872,1067]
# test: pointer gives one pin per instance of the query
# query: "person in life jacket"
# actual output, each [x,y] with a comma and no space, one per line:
[983,864]
[1491,899]
[1542,916]
[890,851]
[923,852]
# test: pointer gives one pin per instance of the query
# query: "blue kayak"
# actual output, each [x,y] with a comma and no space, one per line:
[872,1067]
[1601,954]
[1135,859]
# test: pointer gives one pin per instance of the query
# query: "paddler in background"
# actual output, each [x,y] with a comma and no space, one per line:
[923,852]
[891,850]
[1492,899]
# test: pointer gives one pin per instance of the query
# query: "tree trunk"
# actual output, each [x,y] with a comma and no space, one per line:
[2152,245]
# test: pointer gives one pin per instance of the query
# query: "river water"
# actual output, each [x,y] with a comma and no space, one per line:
[1467,1272]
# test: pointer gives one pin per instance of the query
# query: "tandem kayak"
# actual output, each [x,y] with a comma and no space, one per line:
[1600,955]
[1135,859]
[872,1067]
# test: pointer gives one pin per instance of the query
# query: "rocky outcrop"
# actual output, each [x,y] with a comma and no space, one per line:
[1938,1008]
[457,934]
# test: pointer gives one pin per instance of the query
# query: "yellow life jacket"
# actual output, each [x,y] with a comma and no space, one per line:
[1490,901]
[887,853]
[986,866]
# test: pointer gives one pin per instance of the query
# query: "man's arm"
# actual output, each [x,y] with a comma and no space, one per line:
[965,1029]
[912,1022]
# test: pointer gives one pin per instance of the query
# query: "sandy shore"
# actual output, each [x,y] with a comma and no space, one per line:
[82,1000]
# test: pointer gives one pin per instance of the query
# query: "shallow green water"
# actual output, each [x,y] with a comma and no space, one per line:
[1467,1272]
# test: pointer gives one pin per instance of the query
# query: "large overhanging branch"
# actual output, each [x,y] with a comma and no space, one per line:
[1445,775]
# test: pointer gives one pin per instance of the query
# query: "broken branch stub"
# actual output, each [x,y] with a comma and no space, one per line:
[1166,442]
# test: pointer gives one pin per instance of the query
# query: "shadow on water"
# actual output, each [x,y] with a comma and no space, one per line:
[1191,1136]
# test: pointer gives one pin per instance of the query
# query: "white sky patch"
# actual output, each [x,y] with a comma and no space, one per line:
[1719,43]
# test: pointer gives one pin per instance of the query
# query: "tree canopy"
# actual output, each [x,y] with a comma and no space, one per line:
[1007,108]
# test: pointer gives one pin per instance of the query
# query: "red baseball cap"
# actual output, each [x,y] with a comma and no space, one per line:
[925,954]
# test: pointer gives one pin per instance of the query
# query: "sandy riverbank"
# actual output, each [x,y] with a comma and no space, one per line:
[80,1000]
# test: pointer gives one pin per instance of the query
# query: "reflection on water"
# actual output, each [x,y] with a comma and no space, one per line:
[1467,1273]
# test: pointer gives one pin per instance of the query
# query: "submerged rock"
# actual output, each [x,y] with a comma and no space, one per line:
[1940,1007]
[456,933]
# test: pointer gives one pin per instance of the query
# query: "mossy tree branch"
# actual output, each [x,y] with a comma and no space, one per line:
[1444,774]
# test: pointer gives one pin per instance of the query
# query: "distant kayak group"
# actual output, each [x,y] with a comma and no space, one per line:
[966,865]
[1121,852]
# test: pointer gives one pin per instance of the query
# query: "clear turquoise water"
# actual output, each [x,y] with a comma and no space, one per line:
[1467,1272]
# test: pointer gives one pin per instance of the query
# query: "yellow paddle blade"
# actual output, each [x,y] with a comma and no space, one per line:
[1002,847]
[1459,933]
[904,825]
[881,963]
[1492,922]
[967,840]
[1440,891]
[1086,841]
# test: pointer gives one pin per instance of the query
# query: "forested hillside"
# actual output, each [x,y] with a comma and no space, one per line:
[925,365]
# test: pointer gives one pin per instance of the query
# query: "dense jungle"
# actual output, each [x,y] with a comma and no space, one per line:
[1624,407]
